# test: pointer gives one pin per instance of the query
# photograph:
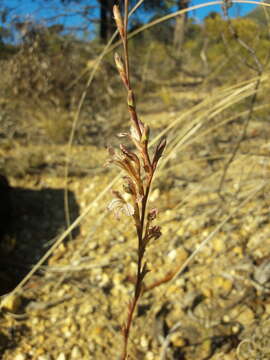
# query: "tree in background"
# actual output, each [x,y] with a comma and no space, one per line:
[107,26]
[95,12]
[180,26]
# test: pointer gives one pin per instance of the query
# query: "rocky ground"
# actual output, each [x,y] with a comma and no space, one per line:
[216,307]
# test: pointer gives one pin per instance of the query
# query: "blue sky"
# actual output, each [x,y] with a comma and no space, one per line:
[33,7]
[51,8]
[236,10]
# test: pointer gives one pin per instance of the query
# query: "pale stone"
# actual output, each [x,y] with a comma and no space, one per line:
[262,272]
[11,303]
[44,357]
[118,279]
[20,357]
[207,292]
[218,244]
[243,315]
[61,356]
[236,329]
[172,254]
[181,231]
[238,251]
[177,340]
[104,281]
[93,245]
[182,255]
[222,285]
[267,308]
[149,355]
[226,318]
[144,342]
[206,348]
[172,289]
[76,353]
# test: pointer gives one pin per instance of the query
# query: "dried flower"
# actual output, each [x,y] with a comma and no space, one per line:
[129,186]
[119,21]
[121,69]
[152,214]
[133,157]
[123,134]
[154,232]
[135,135]
[119,205]
[158,152]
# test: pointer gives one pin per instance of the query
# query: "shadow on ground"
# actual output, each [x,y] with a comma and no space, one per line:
[31,222]
[12,338]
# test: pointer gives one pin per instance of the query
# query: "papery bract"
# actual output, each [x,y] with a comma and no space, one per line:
[119,206]
[134,133]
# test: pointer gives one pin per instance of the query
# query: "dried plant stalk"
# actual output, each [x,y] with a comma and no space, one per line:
[139,168]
